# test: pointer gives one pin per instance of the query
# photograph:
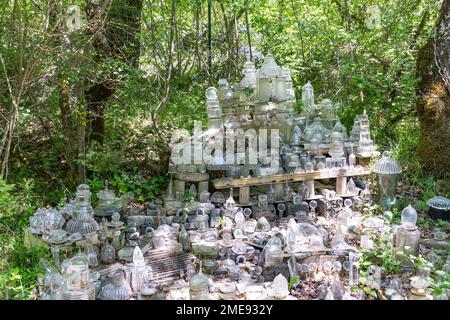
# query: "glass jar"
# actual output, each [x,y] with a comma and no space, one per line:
[262,201]
[387,170]
[108,254]
[75,273]
[274,252]
[407,240]
[159,241]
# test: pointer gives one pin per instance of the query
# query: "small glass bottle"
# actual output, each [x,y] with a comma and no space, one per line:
[184,240]
[116,240]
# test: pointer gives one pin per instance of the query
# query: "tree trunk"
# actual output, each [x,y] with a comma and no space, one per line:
[115,30]
[433,103]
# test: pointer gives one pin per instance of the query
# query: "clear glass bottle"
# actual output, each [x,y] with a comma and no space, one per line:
[287,192]
[92,254]
[303,191]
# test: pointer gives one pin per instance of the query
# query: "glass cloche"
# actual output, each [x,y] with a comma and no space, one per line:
[280,287]
[199,286]
[409,217]
[439,202]
[386,165]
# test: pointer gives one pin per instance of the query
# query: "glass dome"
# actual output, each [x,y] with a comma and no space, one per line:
[212,94]
[439,202]
[116,288]
[218,197]
[107,202]
[263,225]
[269,67]
[409,216]
[280,287]
[386,165]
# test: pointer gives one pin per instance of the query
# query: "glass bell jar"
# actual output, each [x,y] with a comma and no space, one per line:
[439,208]
[262,225]
[308,97]
[199,286]
[280,289]
[82,217]
[387,170]
[115,287]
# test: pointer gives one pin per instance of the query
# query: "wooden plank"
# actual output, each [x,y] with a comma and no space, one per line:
[224,183]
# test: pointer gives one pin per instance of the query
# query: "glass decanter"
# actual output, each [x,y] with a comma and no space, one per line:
[82,217]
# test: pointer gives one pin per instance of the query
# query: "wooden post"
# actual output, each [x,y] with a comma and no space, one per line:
[202,186]
[179,185]
[278,188]
[341,185]
[244,195]
[310,185]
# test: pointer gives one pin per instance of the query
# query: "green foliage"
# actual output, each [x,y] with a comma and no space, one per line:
[333,47]
[293,281]
[142,189]
[383,255]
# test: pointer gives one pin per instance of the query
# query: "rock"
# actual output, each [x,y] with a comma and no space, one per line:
[437,244]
